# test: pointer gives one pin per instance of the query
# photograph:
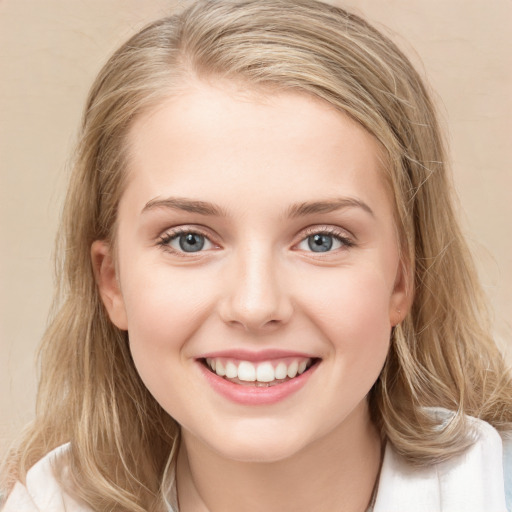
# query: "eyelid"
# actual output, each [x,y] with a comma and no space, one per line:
[326,229]
[171,233]
[341,234]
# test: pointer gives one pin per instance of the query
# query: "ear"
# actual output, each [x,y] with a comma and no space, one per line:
[402,296]
[108,285]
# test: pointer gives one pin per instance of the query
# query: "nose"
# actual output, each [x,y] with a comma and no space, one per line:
[256,298]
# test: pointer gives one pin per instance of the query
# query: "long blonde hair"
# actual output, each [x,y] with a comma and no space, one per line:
[441,355]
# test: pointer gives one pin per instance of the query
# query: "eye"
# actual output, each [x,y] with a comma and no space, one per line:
[186,241]
[324,242]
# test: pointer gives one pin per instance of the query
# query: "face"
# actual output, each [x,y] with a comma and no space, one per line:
[257,269]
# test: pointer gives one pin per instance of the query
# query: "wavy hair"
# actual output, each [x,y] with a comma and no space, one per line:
[441,355]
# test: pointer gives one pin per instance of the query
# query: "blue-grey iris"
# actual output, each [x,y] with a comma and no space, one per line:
[191,242]
[320,243]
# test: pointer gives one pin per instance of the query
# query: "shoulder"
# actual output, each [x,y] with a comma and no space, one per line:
[473,481]
[41,491]
[507,469]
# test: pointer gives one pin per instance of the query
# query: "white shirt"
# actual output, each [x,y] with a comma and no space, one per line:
[470,482]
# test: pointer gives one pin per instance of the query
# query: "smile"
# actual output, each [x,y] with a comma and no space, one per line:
[261,374]
[252,379]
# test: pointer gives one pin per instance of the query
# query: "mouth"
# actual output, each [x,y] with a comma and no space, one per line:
[262,374]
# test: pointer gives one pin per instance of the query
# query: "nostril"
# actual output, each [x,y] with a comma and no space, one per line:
[253,325]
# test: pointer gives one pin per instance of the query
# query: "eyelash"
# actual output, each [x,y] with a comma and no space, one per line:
[335,233]
[167,237]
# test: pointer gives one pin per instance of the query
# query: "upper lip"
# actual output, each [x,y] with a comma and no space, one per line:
[255,356]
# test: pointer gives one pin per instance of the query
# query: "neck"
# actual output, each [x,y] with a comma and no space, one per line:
[335,472]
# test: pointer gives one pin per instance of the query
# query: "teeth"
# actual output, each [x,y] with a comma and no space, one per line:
[263,372]
[292,369]
[231,370]
[281,371]
[246,371]
[219,369]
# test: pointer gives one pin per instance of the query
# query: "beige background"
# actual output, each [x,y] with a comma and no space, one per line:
[49,54]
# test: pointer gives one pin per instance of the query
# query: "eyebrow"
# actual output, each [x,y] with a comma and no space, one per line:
[187,205]
[294,211]
[330,205]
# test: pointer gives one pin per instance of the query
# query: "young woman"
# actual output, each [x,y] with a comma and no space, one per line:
[266,300]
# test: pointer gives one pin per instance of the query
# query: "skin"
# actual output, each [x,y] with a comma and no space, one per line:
[258,285]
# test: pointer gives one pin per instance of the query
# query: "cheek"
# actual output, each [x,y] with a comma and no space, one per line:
[164,309]
[352,315]
[354,301]
[352,312]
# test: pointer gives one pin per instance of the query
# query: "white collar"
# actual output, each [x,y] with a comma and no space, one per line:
[470,482]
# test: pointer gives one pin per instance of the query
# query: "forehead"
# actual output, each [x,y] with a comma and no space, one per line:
[224,134]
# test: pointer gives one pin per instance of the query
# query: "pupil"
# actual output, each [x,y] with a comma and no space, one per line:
[191,242]
[320,243]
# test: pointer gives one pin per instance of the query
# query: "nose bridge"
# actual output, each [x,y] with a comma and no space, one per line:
[257,297]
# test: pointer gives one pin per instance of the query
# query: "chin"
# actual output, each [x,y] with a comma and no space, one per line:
[260,453]
[258,445]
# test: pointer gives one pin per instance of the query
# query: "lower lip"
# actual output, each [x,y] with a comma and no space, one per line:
[253,395]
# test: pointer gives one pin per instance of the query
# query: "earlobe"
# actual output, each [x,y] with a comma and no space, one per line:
[402,297]
[106,279]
